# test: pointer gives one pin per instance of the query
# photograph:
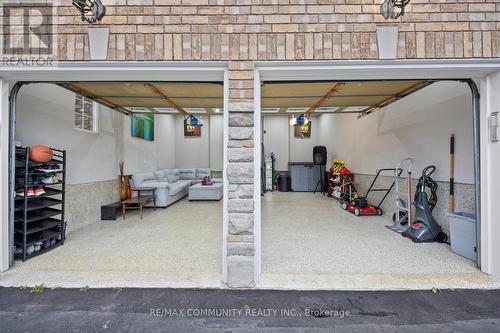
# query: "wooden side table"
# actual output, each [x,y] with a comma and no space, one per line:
[145,189]
[140,201]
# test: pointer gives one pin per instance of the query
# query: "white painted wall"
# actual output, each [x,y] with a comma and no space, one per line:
[203,152]
[165,141]
[45,116]
[216,142]
[301,150]
[192,151]
[417,126]
[279,138]
[276,140]
[142,156]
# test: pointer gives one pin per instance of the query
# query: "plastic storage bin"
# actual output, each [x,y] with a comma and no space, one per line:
[285,182]
[463,234]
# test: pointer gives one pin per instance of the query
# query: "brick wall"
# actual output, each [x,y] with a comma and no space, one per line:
[248,30]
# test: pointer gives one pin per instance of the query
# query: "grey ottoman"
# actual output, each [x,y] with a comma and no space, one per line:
[205,192]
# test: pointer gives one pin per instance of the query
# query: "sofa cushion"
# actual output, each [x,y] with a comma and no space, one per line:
[178,186]
[153,183]
[160,174]
[187,174]
[172,175]
[202,172]
[140,178]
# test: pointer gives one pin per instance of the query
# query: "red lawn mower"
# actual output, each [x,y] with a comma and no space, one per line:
[361,207]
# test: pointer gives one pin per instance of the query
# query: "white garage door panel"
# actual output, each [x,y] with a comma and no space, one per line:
[490,180]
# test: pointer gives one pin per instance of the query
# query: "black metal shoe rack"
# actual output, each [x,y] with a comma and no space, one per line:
[39,224]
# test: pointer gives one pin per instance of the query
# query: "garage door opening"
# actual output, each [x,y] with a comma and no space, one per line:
[165,139]
[308,239]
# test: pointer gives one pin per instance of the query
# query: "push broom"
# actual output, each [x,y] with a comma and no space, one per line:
[452,172]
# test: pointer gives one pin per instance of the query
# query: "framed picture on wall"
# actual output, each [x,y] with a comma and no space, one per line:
[143,126]
[191,131]
[303,131]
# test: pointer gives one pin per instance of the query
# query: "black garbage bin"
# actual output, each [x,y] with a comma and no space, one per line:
[285,183]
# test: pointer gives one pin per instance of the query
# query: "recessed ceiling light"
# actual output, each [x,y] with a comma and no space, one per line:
[138,109]
[195,110]
[216,110]
[356,108]
[296,110]
[166,110]
[327,109]
[269,110]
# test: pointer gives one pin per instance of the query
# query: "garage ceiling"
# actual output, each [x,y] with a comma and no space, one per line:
[361,97]
[154,97]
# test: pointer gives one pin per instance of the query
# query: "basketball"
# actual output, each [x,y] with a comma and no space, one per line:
[41,154]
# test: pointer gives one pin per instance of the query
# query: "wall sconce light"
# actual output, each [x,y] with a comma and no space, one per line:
[91,11]
[299,121]
[388,8]
[193,121]
[493,126]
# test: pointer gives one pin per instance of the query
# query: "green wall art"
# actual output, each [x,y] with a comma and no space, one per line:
[143,126]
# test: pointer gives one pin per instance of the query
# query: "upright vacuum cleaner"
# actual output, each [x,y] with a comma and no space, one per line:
[425,228]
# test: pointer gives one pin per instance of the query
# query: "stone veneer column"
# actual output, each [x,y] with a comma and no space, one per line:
[240,237]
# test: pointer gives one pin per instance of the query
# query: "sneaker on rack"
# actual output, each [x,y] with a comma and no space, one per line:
[49,168]
[20,193]
[56,168]
[30,249]
[31,192]
[49,180]
[39,191]
[31,180]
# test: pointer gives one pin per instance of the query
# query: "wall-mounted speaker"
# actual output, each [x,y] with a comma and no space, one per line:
[319,155]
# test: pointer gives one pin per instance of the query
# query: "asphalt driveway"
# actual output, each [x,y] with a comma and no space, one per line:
[188,310]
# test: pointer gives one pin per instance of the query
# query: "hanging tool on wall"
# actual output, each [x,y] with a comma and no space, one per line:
[452,172]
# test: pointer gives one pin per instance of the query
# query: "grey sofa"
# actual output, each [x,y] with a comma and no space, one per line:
[170,184]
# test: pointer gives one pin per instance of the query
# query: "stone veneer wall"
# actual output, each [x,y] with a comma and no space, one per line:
[464,197]
[240,238]
[84,201]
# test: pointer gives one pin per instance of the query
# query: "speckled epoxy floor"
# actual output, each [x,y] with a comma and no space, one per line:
[180,246]
[309,242]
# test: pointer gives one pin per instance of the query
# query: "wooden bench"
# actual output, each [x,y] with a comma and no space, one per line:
[109,212]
